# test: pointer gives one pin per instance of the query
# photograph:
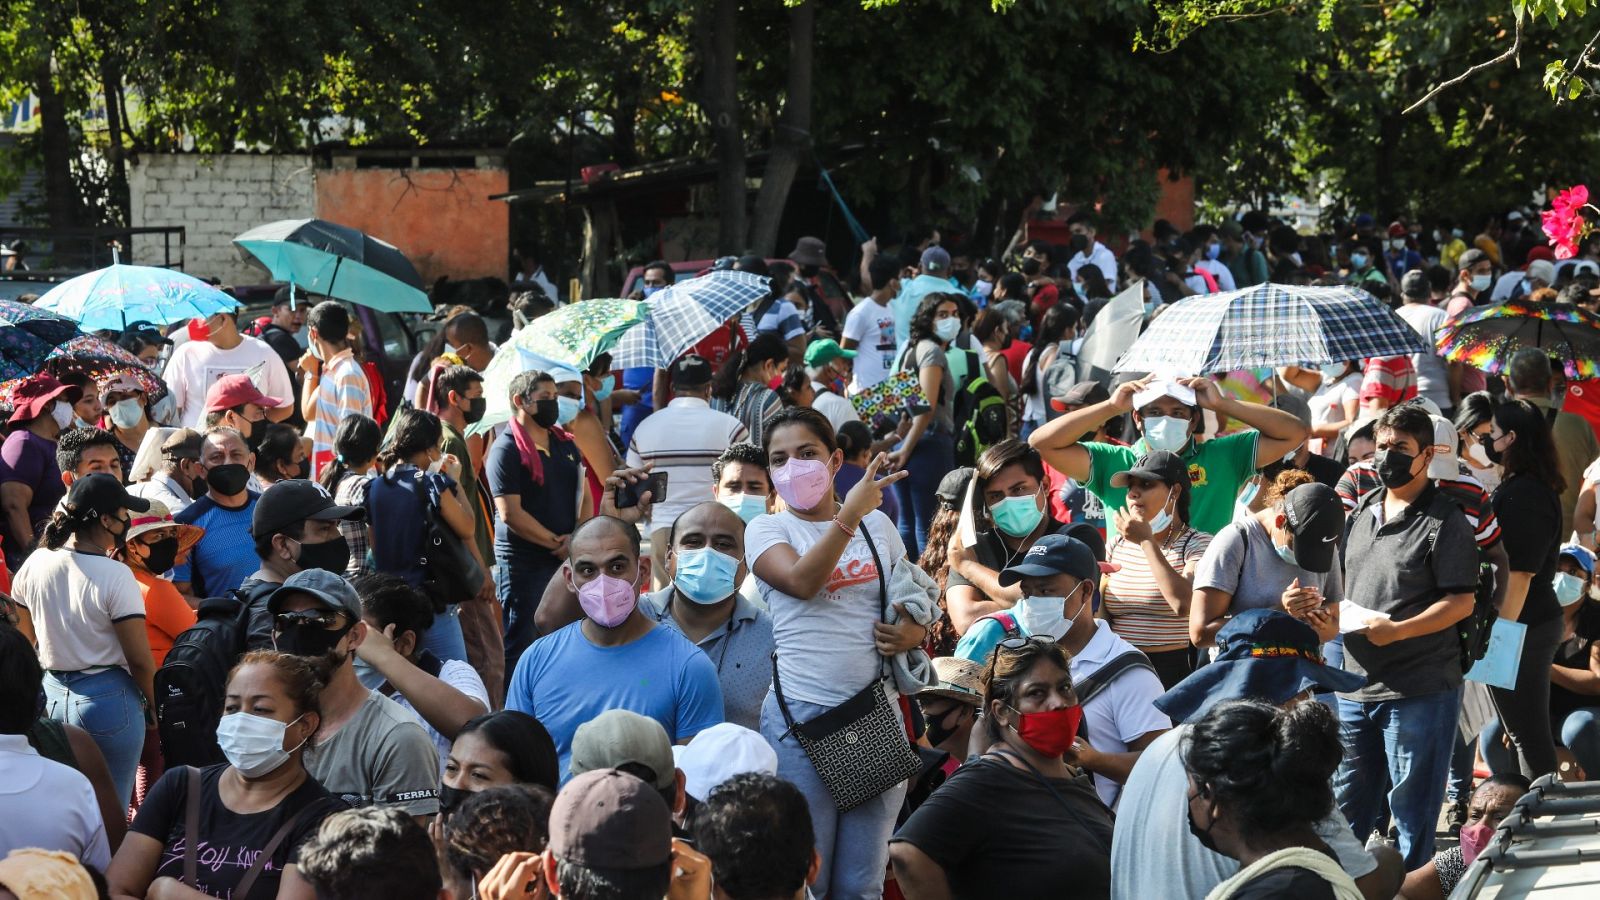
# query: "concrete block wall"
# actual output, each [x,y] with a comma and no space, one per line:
[217,198]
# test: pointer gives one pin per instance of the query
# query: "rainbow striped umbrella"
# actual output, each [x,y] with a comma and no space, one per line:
[1487,337]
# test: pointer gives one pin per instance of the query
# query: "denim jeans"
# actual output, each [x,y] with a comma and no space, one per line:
[519,584]
[444,638]
[108,705]
[1408,743]
[933,458]
[1580,733]
[854,845]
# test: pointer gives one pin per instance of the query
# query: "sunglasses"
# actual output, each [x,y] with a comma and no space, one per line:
[327,620]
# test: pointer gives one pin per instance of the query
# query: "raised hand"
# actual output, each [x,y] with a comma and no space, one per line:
[868,492]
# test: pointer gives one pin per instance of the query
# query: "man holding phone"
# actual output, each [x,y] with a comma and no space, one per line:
[682,441]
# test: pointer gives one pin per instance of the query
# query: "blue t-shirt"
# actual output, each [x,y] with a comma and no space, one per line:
[553,504]
[564,681]
[641,379]
[226,553]
[397,511]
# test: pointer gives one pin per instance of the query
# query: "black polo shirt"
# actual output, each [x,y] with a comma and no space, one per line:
[1401,567]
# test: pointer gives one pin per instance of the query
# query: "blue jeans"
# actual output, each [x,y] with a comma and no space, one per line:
[933,458]
[110,707]
[1580,733]
[519,584]
[1408,743]
[444,638]
[854,845]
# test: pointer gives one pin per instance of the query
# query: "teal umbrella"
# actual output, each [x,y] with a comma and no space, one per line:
[337,261]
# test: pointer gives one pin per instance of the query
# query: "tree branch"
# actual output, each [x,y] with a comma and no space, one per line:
[1516,44]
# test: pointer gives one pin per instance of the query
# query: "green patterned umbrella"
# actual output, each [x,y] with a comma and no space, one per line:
[577,333]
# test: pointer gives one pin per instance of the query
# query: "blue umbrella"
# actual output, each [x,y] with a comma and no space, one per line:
[117,296]
[683,314]
[337,261]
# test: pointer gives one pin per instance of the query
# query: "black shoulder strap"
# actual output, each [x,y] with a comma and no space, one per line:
[265,856]
[191,830]
[1090,687]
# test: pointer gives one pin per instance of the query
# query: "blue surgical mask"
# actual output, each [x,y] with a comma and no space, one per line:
[451,349]
[1165,433]
[567,409]
[1248,495]
[1358,260]
[1481,283]
[947,329]
[607,385]
[370,678]
[649,289]
[1017,516]
[1287,555]
[1569,588]
[705,576]
[1213,251]
[748,506]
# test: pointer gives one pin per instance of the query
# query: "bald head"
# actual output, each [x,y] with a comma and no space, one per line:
[708,526]
[467,328]
[603,546]
[706,518]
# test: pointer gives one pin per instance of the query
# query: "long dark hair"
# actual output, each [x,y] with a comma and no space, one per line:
[529,749]
[276,447]
[1052,328]
[1534,451]
[1094,283]
[922,319]
[356,442]
[767,347]
[1271,767]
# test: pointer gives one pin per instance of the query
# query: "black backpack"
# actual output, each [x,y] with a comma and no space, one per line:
[192,680]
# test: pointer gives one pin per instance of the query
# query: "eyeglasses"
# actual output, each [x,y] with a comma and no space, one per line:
[1014,645]
[325,619]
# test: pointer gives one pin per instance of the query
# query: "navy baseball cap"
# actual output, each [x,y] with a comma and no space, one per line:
[1054,554]
[1262,654]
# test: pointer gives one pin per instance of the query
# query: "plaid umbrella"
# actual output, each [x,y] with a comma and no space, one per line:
[28,336]
[1270,325]
[1487,337]
[683,314]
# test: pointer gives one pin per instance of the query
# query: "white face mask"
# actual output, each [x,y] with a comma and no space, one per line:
[1478,455]
[1045,616]
[1569,588]
[947,329]
[126,413]
[253,744]
[435,465]
[62,413]
[1165,433]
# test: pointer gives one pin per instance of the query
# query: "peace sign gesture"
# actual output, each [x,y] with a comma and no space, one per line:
[868,492]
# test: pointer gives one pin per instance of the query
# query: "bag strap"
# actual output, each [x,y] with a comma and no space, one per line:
[191,830]
[1090,687]
[1007,620]
[256,868]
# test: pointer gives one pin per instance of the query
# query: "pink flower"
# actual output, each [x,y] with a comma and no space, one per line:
[1564,222]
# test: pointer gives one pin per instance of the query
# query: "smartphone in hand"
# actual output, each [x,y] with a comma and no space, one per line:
[627,495]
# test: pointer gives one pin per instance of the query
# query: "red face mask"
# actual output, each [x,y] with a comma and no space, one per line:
[1473,839]
[1050,733]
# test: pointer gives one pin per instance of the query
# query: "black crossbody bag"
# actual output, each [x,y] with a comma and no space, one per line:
[859,748]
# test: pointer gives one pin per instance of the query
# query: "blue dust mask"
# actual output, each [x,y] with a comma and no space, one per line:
[705,576]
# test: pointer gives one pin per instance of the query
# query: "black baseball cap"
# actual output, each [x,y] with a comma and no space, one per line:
[1084,393]
[1315,516]
[1158,465]
[100,494]
[1471,257]
[1054,554]
[1415,284]
[298,500]
[953,486]
[691,372]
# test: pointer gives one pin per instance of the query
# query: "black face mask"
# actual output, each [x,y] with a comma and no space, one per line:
[1486,441]
[1202,835]
[937,732]
[257,429]
[299,469]
[120,539]
[546,412]
[451,797]
[228,479]
[309,640]
[1394,468]
[475,409]
[329,556]
[163,554]
[195,486]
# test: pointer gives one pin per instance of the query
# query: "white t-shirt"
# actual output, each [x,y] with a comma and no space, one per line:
[836,408]
[75,600]
[196,366]
[1124,710]
[826,652]
[871,326]
[459,674]
[1220,271]
[683,441]
[48,805]
[1327,404]
[1432,376]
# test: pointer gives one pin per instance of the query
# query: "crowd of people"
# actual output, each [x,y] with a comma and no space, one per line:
[283,630]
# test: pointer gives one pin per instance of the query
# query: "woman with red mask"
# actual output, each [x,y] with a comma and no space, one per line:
[1054,839]
[1491,802]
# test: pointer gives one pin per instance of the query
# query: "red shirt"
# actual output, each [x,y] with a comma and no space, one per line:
[720,344]
[1016,355]
[1583,399]
[1045,297]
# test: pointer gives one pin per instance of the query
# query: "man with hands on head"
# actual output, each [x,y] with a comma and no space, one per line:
[1168,413]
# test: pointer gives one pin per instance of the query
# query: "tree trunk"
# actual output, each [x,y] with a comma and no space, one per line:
[599,235]
[55,142]
[720,100]
[624,117]
[110,85]
[792,138]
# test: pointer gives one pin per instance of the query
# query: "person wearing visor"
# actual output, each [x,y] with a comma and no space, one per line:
[367,748]
[1168,414]
[1115,682]
[1155,553]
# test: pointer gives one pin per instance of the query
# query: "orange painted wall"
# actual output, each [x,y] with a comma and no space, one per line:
[1177,201]
[441,219]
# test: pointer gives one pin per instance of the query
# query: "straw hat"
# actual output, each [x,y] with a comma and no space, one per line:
[161,517]
[960,680]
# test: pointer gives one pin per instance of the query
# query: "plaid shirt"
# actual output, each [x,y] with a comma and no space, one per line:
[341,391]
[1464,491]
[352,491]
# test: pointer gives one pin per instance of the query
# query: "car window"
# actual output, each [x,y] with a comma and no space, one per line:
[392,333]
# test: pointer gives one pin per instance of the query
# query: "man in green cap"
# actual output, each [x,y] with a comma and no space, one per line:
[828,365]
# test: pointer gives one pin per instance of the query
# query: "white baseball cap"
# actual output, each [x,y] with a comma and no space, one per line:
[1445,439]
[719,753]
[1164,387]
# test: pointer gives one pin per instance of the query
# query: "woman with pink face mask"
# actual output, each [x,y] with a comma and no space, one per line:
[816,564]
[1491,802]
